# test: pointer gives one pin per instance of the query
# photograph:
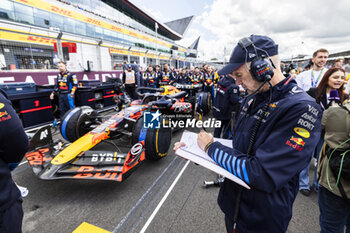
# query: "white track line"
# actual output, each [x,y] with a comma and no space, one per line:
[163,199]
[117,228]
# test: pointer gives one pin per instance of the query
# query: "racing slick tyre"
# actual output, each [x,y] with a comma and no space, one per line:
[205,102]
[76,122]
[157,141]
[192,101]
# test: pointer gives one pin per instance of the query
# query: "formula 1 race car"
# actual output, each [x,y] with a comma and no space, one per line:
[92,152]
[201,100]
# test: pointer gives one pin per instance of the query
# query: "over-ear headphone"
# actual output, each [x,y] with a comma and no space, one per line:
[261,68]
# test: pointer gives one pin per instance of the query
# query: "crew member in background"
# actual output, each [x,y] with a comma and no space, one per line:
[197,76]
[167,77]
[216,76]
[174,71]
[183,78]
[306,80]
[158,72]
[66,85]
[191,71]
[226,102]
[150,78]
[209,78]
[14,144]
[269,146]
[129,81]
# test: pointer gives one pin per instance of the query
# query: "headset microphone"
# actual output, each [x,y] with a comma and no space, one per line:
[261,68]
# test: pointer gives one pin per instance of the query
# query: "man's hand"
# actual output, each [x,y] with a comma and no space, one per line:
[177,145]
[52,96]
[204,138]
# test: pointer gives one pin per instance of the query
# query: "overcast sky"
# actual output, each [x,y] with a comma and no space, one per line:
[298,26]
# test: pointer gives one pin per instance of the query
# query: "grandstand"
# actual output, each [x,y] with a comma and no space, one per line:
[89,35]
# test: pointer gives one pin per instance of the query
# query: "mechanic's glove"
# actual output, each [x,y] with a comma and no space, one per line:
[12,166]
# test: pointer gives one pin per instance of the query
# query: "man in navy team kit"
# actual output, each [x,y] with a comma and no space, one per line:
[65,87]
[286,125]
[13,146]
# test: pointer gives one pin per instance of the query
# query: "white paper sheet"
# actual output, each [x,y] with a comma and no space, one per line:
[195,154]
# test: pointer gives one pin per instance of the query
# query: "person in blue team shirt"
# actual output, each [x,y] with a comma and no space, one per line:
[183,78]
[226,102]
[158,72]
[277,130]
[197,76]
[209,81]
[150,78]
[13,146]
[66,85]
[167,77]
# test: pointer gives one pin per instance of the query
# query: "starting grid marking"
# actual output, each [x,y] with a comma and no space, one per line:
[89,228]
[164,198]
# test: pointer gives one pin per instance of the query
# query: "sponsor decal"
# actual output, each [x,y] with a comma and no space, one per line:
[4,116]
[302,132]
[44,134]
[102,157]
[182,107]
[306,124]
[245,108]
[92,172]
[3,113]
[39,157]
[313,110]
[308,117]
[296,143]
[250,102]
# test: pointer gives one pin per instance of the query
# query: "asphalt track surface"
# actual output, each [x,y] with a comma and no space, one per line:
[144,202]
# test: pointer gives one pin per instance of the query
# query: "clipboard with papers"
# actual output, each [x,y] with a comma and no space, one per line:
[195,154]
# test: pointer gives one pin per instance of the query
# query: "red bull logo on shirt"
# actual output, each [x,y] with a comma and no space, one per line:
[4,116]
[296,143]
[3,113]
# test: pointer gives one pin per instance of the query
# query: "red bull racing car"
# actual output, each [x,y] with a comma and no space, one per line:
[91,151]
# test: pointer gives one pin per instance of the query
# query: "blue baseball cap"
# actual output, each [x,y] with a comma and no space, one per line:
[263,46]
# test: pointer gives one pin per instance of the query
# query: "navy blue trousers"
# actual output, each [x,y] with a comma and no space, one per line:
[11,218]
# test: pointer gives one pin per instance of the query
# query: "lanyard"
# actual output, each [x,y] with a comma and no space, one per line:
[318,78]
